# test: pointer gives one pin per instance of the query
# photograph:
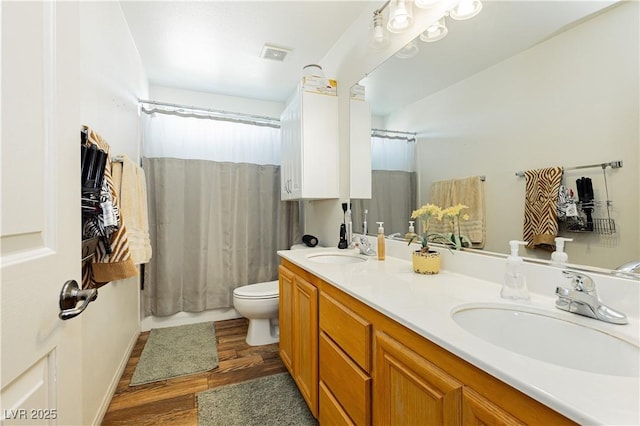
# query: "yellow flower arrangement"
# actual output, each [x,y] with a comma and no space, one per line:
[452,214]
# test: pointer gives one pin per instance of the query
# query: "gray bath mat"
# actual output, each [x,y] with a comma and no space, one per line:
[270,400]
[177,351]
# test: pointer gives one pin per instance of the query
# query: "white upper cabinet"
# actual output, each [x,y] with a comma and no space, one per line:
[360,149]
[309,158]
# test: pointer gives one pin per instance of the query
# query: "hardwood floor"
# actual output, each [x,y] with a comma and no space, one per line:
[173,402]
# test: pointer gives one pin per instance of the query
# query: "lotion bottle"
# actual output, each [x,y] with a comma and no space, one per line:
[412,231]
[560,257]
[515,283]
[381,241]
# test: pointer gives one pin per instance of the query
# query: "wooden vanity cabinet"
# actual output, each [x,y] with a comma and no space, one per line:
[375,371]
[298,318]
[345,361]
[410,390]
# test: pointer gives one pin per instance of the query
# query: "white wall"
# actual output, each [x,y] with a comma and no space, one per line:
[112,80]
[214,101]
[556,104]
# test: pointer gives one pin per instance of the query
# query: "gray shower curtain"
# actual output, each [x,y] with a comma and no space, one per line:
[214,226]
[393,198]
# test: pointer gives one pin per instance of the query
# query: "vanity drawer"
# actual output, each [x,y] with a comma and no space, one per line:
[330,411]
[350,386]
[350,331]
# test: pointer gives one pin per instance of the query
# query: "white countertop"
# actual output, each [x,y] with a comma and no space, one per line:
[424,303]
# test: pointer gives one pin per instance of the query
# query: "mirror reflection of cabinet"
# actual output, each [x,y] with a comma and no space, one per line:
[360,148]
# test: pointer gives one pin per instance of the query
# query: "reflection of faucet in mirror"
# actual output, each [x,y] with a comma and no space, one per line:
[482,107]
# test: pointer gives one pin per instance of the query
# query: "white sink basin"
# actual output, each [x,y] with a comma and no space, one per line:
[337,258]
[542,336]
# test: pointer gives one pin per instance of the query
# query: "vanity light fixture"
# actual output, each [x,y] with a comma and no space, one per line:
[400,16]
[465,9]
[409,50]
[379,38]
[435,32]
[425,4]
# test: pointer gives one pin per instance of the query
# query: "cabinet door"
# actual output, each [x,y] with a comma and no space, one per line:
[409,390]
[319,174]
[290,158]
[478,411]
[305,341]
[285,317]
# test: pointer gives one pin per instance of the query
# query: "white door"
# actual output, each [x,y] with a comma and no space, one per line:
[40,213]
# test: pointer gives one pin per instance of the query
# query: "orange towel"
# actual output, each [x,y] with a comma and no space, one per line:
[540,207]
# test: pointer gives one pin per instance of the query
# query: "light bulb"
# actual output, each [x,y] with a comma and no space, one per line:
[466,9]
[400,17]
[435,32]
[379,38]
[409,50]
[423,4]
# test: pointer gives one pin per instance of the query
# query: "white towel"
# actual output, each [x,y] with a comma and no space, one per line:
[130,182]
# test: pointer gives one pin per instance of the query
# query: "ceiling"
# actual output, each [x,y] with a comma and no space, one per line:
[215,46]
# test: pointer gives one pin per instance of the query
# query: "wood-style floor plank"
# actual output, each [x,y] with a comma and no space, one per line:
[173,402]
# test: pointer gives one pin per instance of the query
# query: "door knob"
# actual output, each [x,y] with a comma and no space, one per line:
[71,295]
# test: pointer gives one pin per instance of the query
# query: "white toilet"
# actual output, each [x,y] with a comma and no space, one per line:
[259,304]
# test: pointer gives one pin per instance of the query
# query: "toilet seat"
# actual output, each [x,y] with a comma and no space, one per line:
[266,290]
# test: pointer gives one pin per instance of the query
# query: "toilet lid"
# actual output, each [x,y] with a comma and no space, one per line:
[266,290]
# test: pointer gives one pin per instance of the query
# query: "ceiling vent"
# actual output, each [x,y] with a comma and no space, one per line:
[274,53]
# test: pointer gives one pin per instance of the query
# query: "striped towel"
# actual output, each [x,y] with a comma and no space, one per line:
[540,207]
[107,265]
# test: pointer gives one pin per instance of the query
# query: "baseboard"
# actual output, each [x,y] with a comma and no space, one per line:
[184,318]
[114,383]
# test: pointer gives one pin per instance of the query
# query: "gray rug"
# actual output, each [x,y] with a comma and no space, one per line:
[177,351]
[270,400]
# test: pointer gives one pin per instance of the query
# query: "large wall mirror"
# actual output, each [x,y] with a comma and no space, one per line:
[523,85]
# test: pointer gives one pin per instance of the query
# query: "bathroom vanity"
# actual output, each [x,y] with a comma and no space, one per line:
[371,342]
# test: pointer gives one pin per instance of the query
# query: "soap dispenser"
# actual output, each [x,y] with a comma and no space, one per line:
[515,283]
[381,241]
[560,257]
[412,231]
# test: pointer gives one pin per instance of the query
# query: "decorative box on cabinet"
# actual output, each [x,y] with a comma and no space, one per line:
[309,156]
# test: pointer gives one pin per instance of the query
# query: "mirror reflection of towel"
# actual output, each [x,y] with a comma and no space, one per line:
[468,191]
[540,207]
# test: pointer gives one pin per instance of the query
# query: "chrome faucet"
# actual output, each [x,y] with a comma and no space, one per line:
[633,266]
[364,245]
[583,299]
[629,270]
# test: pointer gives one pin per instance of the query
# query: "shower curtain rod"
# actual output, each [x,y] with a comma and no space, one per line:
[212,114]
[393,134]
